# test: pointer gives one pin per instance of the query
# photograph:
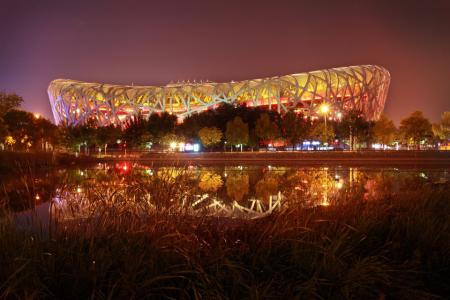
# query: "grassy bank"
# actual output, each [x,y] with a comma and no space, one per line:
[394,248]
[38,160]
[363,154]
[299,158]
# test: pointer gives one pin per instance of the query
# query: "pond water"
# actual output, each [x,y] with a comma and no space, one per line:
[241,191]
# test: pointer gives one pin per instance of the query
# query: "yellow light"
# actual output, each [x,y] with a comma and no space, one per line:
[37,197]
[9,140]
[79,190]
[324,108]
[37,115]
[173,145]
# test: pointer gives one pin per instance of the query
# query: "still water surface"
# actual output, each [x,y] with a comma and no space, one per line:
[234,191]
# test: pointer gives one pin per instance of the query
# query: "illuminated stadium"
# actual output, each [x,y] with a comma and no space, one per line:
[356,87]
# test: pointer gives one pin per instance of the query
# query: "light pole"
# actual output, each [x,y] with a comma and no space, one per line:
[37,116]
[324,109]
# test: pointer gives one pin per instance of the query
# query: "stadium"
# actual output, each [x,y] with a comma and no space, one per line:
[362,87]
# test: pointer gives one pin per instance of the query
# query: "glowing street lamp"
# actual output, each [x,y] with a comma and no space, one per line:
[324,109]
[37,115]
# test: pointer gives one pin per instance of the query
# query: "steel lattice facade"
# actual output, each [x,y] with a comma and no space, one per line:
[356,87]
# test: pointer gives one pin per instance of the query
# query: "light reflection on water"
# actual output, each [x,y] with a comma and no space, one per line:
[234,191]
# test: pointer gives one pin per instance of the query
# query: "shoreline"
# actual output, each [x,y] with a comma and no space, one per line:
[439,159]
[403,158]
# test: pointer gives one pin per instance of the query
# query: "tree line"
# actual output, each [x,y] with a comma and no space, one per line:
[227,127]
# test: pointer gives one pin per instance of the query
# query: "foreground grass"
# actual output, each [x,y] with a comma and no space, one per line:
[395,248]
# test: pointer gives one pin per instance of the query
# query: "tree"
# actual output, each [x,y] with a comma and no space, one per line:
[87,134]
[71,137]
[21,127]
[355,128]
[8,102]
[3,130]
[253,140]
[46,133]
[436,129]
[325,134]
[169,139]
[210,136]
[415,128]
[159,125]
[442,129]
[445,125]
[107,135]
[293,128]
[10,141]
[136,132]
[29,130]
[74,137]
[384,130]
[265,129]
[237,132]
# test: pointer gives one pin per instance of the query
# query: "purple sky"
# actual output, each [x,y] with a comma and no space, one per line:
[154,42]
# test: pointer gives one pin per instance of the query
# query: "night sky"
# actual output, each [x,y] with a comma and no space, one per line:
[155,42]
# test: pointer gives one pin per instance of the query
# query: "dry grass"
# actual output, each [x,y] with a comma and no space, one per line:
[395,248]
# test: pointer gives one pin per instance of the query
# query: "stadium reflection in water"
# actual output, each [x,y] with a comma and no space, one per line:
[228,191]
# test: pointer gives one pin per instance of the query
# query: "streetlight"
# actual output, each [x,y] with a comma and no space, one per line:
[37,116]
[324,109]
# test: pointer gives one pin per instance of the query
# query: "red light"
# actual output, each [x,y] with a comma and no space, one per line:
[123,168]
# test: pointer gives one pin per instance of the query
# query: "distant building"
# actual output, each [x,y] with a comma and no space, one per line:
[357,87]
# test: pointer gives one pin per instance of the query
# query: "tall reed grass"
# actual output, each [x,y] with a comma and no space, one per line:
[397,247]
